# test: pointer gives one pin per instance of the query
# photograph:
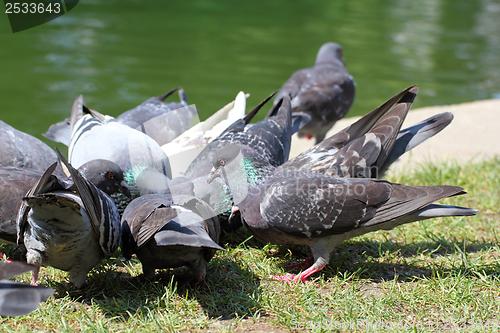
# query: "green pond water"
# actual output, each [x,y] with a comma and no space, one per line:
[119,53]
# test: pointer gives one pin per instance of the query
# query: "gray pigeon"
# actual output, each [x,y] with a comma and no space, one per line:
[166,231]
[271,137]
[95,136]
[161,121]
[369,146]
[71,227]
[324,91]
[21,150]
[318,210]
[16,182]
[17,299]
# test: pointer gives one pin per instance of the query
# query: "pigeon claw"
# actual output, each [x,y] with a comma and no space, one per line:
[302,277]
[4,256]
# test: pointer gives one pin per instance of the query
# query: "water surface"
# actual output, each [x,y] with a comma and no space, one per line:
[119,53]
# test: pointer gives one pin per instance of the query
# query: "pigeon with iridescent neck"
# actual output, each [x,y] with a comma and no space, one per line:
[95,136]
[271,137]
[318,210]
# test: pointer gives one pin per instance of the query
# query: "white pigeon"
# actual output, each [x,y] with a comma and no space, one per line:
[182,151]
[95,136]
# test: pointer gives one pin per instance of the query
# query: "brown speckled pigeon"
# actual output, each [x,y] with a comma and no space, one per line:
[324,91]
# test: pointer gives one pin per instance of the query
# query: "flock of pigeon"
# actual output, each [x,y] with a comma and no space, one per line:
[155,186]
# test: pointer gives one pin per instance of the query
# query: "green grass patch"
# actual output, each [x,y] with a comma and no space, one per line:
[433,275]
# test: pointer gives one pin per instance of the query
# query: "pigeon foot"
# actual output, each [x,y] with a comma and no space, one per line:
[302,277]
[289,278]
[4,256]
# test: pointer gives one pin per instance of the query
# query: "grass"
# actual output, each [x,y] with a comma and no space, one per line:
[434,275]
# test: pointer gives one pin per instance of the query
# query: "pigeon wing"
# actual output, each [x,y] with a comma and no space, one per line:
[323,156]
[43,183]
[146,215]
[88,193]
[411,137]
[406,199]
[326,86]
[318,206]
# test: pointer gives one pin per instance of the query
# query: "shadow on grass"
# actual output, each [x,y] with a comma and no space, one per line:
[387,260]
[229,291]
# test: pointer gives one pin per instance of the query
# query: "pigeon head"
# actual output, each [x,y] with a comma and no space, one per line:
[106,176]
[241,168]
[225,159]
[330,53]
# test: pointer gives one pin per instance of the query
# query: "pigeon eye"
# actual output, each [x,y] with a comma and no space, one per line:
[222,162]
[110,176]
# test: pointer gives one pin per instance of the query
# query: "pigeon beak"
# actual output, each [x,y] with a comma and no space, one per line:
[235,214]
[214,173]
[124,189]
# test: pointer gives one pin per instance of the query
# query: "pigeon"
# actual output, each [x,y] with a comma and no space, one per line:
[318,210]
[183,149]
[324,91]
[16,182]
[271,137]
[21,150]
[69,225]
[170,119]
[330,155]
[368,147]
[237,112]
[161,121]
[17,299]
[169,231]
[95,136]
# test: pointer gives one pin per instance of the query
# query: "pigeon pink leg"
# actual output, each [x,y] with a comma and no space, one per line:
[302,277]
[34,275]
[3,255]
